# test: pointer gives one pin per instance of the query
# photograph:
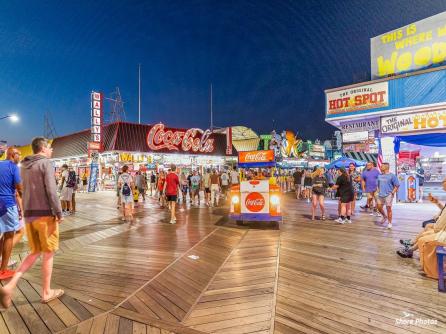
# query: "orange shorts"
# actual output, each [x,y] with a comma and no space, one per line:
[43,235]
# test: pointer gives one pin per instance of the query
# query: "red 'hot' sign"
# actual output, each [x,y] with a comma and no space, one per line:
[192,140]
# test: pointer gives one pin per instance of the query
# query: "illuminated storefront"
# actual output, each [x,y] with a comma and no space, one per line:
[406,112]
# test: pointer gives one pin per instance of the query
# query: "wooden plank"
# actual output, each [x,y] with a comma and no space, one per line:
[112,324]
[99,324]
[139,328]
[125,326]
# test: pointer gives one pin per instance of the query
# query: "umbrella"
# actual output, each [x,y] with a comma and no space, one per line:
[345,162]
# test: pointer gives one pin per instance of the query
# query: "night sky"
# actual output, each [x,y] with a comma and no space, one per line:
[269,61]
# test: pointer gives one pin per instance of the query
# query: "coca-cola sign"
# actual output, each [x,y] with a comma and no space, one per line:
[256,156]
[255,202]
[192,140]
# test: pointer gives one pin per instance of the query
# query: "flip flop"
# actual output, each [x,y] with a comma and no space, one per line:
[56,294]
[5,299]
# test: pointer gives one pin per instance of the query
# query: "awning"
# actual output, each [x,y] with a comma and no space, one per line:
[368,157]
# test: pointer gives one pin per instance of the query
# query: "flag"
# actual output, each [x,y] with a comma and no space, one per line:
[380,154]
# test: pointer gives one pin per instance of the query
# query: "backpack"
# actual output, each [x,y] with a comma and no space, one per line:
[126,191]
[71,180]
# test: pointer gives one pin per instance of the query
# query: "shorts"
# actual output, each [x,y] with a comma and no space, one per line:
[9,222]
[172,198]
[84,182]
[371,195]
[224,188]
[387,201]
[141,190]
[184,189]
[308,187]
[66,194]
[297,185]
[207,190]
[43,235]
[127,199]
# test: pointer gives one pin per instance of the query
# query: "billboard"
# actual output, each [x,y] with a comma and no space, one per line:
[413,47]
[432,121]
[358,98]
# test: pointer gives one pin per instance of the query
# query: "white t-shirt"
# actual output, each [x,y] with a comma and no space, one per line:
[125,178]
[234,177]
[65,178]
[224,179]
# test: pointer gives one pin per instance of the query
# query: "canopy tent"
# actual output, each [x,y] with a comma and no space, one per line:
[344,162]
[362,156]
[429,139]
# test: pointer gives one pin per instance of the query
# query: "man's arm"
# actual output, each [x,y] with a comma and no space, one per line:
[51,190]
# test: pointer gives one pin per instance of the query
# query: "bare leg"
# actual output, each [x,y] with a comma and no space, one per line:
[172,210]
[322,205]
[348,207]
[8,239]
[47,270]
[343,209]
[313,206]
[18,236]
[381,211]
[389,214]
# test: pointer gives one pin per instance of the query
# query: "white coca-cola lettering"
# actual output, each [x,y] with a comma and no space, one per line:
[158,139]
[258,156]
[254,202]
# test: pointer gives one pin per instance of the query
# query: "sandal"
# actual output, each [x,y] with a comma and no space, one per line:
[56,294]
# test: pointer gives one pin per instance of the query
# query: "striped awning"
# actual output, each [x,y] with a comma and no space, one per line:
[368,157]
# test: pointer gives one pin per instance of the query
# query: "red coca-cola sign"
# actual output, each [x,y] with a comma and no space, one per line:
[255,202]
[192,140]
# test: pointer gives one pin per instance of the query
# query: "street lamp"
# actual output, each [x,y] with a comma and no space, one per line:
[14,118]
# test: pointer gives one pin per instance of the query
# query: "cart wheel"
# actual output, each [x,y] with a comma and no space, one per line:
[239,222]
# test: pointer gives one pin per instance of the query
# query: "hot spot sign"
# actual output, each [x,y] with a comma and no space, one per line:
[357,98]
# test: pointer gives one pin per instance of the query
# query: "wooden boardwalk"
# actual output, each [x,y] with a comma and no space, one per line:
[205,275]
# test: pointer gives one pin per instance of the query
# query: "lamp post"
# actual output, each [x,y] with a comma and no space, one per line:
[14,118]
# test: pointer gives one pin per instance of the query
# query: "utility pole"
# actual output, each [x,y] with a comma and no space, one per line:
[139,93]
[212,115]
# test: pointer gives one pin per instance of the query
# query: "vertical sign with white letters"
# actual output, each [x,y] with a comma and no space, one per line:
[96,118]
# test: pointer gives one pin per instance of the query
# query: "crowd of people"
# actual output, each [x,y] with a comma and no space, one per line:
[31,193]
[172,189]
[348,185]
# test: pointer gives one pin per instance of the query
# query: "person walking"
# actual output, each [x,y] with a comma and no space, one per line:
[319,187]
[388,185]
[207,187]
[297,178]
[308,185]
[356,183]
[125,186]
[141,182]
[43,213]
[215,188]
[195,181]
[234,176]
[224,178]
[66,189]
[369,183]
[171,187]
[346,194]
[160,184]
[11,208]
[184,182]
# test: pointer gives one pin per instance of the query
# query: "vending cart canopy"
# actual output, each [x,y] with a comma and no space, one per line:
[345,162]
[430,139]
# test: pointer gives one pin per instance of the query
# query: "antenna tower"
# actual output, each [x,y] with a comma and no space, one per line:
[49,131]
[117,113]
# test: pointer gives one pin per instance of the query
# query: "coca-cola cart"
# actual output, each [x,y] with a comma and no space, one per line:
[256,199]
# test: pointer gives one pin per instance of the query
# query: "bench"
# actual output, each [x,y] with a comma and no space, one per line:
[441,254]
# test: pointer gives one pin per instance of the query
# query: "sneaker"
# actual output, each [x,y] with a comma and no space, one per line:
[405,253]
[389,226]
[384,220]
[377,214]
[173,221]
[364,207]
[347,221]
[406,242]
[339,220]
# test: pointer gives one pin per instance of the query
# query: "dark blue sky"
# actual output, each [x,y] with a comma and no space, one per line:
[266,59]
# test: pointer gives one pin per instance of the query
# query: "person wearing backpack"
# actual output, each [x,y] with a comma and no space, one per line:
[68,181]
[126,185]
